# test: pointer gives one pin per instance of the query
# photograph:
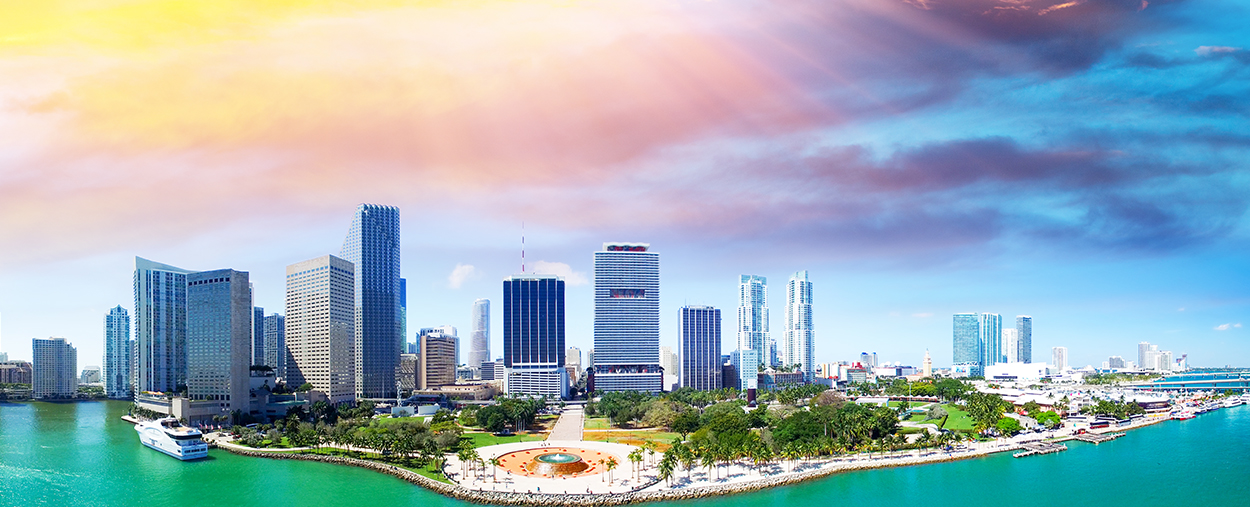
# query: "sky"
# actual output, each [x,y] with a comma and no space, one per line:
[1083,162]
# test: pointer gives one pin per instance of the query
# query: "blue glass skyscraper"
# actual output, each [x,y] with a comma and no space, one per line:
[701,366]
[117,353]
[991,336]
[372,245]
[967,344]
[160,326]
[219,338]
[258,335]
[627,318]
[1024,328]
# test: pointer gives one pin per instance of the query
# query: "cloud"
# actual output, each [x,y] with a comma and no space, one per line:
[460,274]
[561,270]
[1210,50]
[1226,327]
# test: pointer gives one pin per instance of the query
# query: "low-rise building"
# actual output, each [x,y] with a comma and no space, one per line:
[15,372]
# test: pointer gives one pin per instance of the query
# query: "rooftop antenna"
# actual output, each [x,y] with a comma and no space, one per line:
[522,247]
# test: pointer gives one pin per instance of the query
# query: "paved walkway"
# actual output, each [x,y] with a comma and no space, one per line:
[569,426]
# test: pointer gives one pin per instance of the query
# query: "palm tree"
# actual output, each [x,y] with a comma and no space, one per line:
[666,468]
[611,465]
[494,463]
[601,463]
[635,456]
[707,458]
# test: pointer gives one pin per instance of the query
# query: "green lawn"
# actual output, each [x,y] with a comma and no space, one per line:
[663,439]
[393,420]
[957,420]
[409,464]
[596,423]
[484,439]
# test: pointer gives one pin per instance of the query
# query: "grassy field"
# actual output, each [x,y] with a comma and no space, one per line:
[596,423]
[662,439]
[957,420]
[480,439]
[409,464]
[393,420]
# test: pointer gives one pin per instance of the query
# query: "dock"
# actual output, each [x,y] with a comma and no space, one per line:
[1035,448]
[1098,438]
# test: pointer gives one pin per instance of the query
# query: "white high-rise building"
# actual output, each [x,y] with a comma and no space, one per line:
[1011,345]
[798,345]
[54,364]
[753,316]
[1059,356]
[627,318]
[321,326]
[117,353]
[1163,361]
[1143,348]
[479,341]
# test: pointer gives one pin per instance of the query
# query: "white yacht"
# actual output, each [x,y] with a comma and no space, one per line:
[170,437]
[1232,401]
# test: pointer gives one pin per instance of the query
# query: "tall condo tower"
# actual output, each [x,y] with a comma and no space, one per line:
[1059,355]
[160,326]
[1011,345]
[54,365]
[219,337]
[479,341]
[991,339]
[627,318]
[258,335]
[320,328]
[533,335]
[117,353]
[701,367]
[798,346]
[403,315]
[372,246]
[275,344]
[1024,331]
[753,315]
[967,355]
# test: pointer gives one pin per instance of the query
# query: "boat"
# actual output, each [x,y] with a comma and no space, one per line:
[1232,401]
[171,437]
[1182,415]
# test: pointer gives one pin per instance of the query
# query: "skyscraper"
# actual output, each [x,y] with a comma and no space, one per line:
[436,365]
[967,354]
[446,331]
[372,246]
[479,340]
[403,315]
[55,366]
[219,337]
[798,346]
[1024,330]
[320,329]
[991,339]
[117,353]
[753,315]
[1143,349]
[533,335]
[1011,345]
[160,326]
[275,344]
[1059,355]
[627,318]
[701,365]
[573,357]
[258,336]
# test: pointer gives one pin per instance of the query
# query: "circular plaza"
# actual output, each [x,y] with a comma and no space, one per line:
[552,467]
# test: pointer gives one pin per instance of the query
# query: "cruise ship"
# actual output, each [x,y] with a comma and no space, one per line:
[170,437]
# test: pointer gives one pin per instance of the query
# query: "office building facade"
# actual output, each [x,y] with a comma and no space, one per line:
[533,336]
[320,327]
[479,338]
[275,344]
[117,354]
[1024,335]
[372,246]
[1059,356]
[627,318]
[699,328]
[258,335]
[798,344]
[752,327]
[54,368]
[991,336]
[437,361]
[160,326]
[220,327]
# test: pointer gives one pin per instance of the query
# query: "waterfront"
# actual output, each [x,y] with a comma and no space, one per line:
[83,454]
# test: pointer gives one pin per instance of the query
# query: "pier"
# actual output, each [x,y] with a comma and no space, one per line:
[1098,438]
[1035,448]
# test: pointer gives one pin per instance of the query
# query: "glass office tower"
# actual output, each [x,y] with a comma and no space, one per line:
[627,318]
[967,345]
[372,246]
[701,366]
[117,353]
[533,335]
[160,326]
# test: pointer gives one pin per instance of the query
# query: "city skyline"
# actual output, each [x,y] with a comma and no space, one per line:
[1084,164]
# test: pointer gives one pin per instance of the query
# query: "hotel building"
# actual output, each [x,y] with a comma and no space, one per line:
[627,318]
[320,339]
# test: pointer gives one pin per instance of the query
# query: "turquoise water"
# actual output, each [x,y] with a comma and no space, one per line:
[82,454]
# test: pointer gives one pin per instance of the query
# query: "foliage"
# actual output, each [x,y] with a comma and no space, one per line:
[1008,426]
[985,409]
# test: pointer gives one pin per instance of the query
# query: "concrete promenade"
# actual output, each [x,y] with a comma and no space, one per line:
[568,427]
[499,479]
